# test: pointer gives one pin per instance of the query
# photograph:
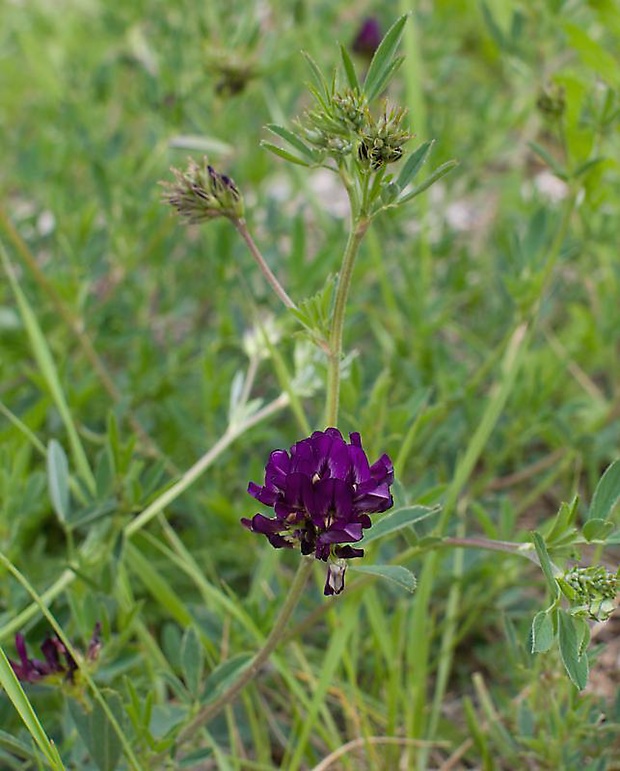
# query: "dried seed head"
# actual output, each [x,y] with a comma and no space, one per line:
[200,193]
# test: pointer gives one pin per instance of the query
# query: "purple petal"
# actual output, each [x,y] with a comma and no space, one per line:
[349,533]
[359,465]
[49,648]
[264,525]
[383,470]
[262,494]
[279,541]
[348,552]
[334,583]
[20,645]
[277,468]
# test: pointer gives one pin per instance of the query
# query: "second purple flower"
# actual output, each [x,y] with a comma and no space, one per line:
[322,492]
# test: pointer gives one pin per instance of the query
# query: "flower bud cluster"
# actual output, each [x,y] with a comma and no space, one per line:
[56,659]
[552,101]
[199,193]
[592,591]
[344,125]
[383,140]
[334,125]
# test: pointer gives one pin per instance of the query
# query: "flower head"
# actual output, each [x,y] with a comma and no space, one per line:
[57,659]
[333,126]
[322,492]
[552,101]
[368,37]
[199,193]
[591,590]
[383,140]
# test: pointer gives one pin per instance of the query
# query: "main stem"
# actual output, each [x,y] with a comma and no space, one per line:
[248,674]
[358,230]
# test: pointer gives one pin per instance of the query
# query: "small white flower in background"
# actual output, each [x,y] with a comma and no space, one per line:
[256,338]
[46,223]
[550,186]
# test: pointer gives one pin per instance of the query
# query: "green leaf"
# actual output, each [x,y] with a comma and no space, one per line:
[321,85]
[439,172]
[224,674]
[495,30]
[607,493]
[584,168]
[597,529]
[105,473]
[549,160]
[614,537]
[545,564]
[293,140]
[314,312]
[19,748]
[276,150]
[397,520]
[97,732]
[541,633]
[196,759]
[106,745]
[592,53]
[113,441]
[563,523]
[166,717]
[90,514]
[14,691]
[390,71]
[58,481]
[382,64]
[414,163]
[349,69]
[397,574]
[47,366]
[192,660]
[575,661]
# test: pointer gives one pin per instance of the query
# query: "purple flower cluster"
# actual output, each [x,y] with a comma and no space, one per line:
[368,37]
[56,658]
[322,492]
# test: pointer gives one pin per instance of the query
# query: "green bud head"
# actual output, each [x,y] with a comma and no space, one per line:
[591,591]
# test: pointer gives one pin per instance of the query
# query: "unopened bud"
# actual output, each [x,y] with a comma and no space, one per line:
[592,591]
[200,193]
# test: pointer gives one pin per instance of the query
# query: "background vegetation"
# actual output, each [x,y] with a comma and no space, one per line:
[124,338]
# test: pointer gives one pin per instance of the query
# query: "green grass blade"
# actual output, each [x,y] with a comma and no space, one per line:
[45,361]
[331,661]
[13,689]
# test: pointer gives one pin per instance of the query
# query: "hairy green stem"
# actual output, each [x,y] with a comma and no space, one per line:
[356,234]
[243,231]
